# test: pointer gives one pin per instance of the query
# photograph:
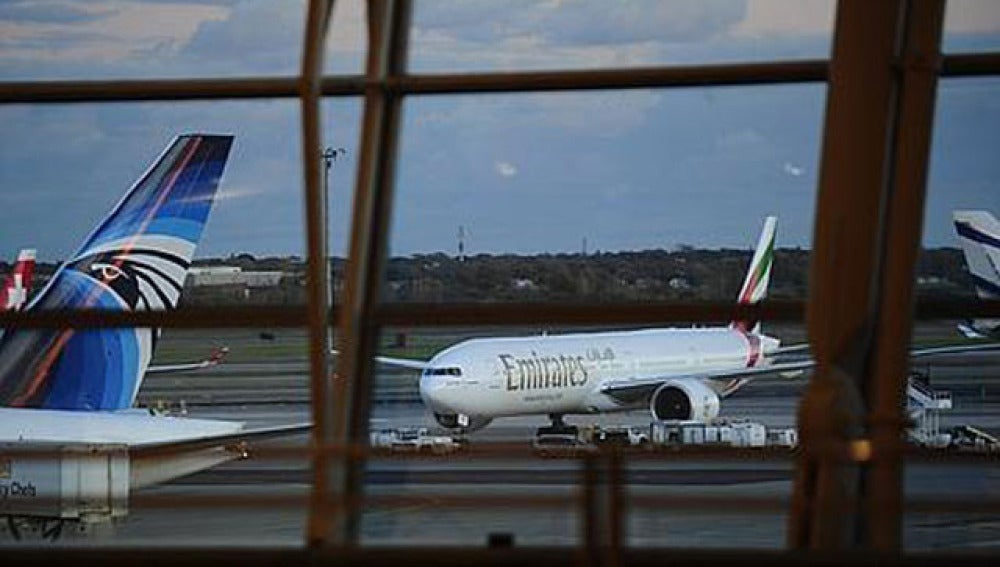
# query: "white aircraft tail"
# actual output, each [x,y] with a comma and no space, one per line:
[759,274]
[979,234]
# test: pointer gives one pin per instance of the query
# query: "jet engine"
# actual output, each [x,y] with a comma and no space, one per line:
[684,399]
[464,423]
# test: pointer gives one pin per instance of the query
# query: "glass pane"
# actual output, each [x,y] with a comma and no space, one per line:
[603,196]
[951,399]
[533,34]
[971,25]
[174,488]
[85,157]
[92,40]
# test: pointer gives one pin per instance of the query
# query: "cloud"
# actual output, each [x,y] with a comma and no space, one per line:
[793,170]
[580,22]
[505,169]
[783,18]
[104,32]
[49,12]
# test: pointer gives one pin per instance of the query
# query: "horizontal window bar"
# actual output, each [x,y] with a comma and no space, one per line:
[354,85]
[184,317]
[454,556]
[682,76]
[777,72]
[970,65]
[451,314]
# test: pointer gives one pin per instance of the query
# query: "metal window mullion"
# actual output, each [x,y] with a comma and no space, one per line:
[388,31]
[917,72]
[478,314]
[435,83]
[843,309]
[317,277]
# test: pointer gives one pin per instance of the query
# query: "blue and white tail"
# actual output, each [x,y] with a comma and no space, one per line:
[135,260]
[979,234]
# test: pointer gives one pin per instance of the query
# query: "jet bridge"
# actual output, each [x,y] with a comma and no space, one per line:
[85,483]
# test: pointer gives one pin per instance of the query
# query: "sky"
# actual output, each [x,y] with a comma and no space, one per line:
[625,170]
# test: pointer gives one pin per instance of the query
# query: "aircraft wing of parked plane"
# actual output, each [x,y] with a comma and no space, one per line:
[214,359]
[79,385]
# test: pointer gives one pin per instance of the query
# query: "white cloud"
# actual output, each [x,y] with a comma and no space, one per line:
[781,17]
[116,30]
[793,170]
[505,169]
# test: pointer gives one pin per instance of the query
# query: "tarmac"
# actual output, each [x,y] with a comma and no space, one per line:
[463,499]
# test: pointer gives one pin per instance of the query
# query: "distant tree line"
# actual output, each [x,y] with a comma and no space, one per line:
[651,275]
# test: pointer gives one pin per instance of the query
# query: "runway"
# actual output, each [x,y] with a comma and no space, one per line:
[461,499]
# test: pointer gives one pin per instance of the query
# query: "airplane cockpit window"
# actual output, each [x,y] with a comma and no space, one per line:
[447,371]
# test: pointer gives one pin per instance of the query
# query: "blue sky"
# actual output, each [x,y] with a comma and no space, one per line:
[535,173]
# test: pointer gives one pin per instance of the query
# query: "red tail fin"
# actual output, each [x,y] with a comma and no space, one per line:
[17,286]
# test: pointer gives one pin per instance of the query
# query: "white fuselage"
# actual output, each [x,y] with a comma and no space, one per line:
[557,374]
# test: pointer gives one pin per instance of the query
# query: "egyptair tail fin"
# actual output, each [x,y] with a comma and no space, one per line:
[136,259]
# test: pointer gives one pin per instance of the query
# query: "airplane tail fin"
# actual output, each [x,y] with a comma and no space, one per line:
[758,275]
[17,286]
[136,259]
[979,234]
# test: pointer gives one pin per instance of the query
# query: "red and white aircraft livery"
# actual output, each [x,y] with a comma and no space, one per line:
[17,286]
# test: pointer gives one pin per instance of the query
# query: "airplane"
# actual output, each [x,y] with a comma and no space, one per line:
[79,386]
[979,234]
[17,289]
[17,286]
[678,373]
[675,373]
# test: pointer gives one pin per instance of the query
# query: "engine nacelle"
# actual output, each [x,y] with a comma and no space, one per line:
[684,400]
[461,422]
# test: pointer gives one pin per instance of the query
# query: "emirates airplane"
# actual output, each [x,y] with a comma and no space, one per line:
[677,373]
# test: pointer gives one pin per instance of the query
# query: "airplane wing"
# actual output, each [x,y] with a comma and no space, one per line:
[728,381]
[215,358]
[242,436]
[409,363]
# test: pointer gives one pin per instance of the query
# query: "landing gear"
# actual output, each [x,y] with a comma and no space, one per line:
[558,427]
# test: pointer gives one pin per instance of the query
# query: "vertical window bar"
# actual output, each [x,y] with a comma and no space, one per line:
[916,71]
[843,306]
[388,31]
[317,18]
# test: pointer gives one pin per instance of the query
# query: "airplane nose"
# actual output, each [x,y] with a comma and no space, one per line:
[430,387]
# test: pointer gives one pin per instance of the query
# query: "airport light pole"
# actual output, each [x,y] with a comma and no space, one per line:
[329,156]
